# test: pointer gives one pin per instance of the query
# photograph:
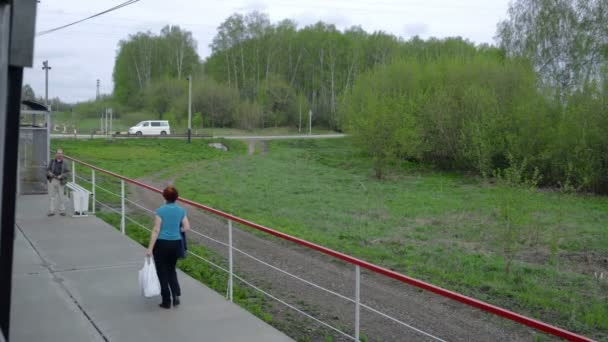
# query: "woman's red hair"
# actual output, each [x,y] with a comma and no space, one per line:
[170,194]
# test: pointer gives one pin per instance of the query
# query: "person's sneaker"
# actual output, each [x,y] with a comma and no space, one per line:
[50,214]
[165,305]
[176,301]
[62,214]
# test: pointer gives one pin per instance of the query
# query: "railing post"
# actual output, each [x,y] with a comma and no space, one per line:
[93,188]
[357,299]
[230,259]
[122,206]
[73,171]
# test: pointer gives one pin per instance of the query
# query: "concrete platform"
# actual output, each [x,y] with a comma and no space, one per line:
[75,279]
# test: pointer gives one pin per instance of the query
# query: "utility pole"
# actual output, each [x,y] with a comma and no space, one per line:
[111,119]
[46,68]
[97,96]
[300,123]
[105,127]
[189,107]
[309,121]
[310,113]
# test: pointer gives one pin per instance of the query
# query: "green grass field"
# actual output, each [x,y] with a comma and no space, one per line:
[536,252]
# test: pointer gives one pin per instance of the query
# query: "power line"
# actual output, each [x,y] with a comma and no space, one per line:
[126,3]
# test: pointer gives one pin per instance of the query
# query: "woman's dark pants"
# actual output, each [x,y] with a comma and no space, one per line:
[166,253]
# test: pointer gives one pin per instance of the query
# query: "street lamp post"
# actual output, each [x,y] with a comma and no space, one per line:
[309,121]
[46,68]
[189,107]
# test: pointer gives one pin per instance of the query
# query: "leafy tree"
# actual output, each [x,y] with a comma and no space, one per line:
[178,48]
[381,117]
[278,101]
[160,95]
[197,122]
[216,102]
[27,93]
[145,58]
[248,115]
[566,40]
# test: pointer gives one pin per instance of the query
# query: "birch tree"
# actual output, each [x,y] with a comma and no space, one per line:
[180,50]
[566,40]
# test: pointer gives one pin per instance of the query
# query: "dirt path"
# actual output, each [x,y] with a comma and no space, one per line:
[262,147]
[443,318]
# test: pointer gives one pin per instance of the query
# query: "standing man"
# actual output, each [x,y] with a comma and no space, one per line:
[57,175]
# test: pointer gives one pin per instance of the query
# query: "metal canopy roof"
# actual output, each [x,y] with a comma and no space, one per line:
[35,106]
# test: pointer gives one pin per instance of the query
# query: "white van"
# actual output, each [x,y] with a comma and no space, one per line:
[152,127]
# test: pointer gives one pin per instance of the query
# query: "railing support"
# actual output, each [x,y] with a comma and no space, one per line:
[230,260]
[73,171]
[122,206]
[93,189]
[357,300]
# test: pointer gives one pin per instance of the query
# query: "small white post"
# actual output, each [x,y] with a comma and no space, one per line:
[357,299]
[73,171]
[106,123]
[122,205]
[230,259]
[93,188]
[111,119]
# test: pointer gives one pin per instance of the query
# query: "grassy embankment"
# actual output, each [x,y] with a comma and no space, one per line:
[532,251]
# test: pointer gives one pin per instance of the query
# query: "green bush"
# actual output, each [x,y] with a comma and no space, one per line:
[450,112]
[481,114]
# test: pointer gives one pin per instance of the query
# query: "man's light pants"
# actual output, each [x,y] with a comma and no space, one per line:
[57,198]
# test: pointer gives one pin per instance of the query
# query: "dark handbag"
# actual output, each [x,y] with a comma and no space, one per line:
[183,246]
[50,169]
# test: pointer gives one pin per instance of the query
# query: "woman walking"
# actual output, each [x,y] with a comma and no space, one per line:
[165,245]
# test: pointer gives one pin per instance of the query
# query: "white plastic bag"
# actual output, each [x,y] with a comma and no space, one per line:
[148,280]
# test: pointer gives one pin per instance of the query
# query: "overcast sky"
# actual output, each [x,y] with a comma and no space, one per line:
[83,53]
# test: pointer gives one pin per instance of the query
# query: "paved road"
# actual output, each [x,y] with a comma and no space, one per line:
[278,137]
[234,137]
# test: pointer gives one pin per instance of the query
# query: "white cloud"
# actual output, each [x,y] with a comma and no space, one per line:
[415,29]
[255,5]
[311,18]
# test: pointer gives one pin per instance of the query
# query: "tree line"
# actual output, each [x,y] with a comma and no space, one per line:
[284,68]
[264,74]
[535,104]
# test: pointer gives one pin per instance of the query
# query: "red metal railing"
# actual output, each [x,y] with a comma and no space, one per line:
[547,328]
